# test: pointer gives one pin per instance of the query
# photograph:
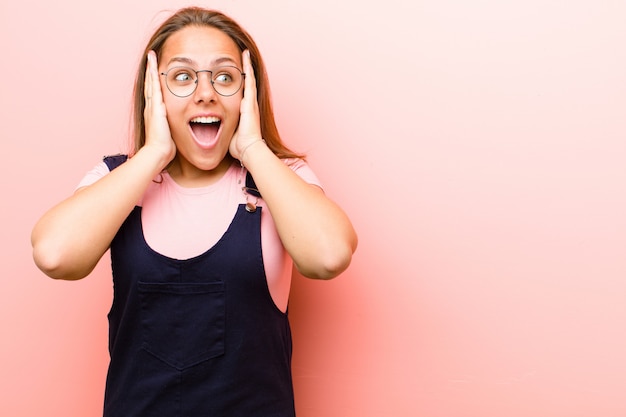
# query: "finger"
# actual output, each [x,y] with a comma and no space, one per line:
[156,92]
[250,81]
[152,85]
[153,91]
[147,84]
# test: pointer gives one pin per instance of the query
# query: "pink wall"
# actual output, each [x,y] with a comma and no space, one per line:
[478,146]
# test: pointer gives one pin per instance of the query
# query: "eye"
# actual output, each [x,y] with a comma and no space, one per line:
[181,75]
[224,77]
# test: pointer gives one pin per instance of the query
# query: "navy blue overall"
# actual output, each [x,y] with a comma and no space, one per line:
[199,337]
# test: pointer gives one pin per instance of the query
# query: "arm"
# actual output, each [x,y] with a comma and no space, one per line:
[316,233]
[69,240]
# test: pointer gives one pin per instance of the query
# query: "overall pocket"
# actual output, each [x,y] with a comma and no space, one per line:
[183,324]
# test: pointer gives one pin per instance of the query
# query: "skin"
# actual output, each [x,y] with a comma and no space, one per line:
[198,48]
[69,240]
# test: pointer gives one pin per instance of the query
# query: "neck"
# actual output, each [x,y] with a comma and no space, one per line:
[188,175]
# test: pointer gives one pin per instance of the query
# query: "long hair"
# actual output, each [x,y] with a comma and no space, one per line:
[203,17]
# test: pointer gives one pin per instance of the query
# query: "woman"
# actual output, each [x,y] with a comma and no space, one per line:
[204,220]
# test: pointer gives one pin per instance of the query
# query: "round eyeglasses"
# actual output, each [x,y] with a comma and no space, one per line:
[183,81]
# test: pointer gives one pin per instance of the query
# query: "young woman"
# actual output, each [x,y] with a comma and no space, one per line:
[203,219]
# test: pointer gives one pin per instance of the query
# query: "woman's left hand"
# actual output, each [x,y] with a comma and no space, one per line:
[322,246]
[249,129]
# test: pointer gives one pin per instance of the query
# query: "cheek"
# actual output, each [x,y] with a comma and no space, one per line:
[174,106]
[234,107]
[164,90]
[178,125]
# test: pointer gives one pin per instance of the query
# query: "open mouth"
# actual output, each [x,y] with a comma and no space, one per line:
[205,129]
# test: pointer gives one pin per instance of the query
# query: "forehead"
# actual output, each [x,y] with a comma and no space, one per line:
[202,45]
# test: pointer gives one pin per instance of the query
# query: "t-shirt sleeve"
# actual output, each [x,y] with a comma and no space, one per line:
[93,175]
[304,171]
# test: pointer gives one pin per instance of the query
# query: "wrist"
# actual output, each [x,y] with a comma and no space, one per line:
[160,158]
[248,146]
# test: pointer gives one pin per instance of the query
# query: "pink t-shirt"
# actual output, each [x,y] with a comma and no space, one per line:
[182,223]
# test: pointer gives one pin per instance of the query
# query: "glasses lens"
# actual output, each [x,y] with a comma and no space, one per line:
[181,81]
[227,80]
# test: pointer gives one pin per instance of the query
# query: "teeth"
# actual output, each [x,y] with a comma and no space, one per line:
[204,119]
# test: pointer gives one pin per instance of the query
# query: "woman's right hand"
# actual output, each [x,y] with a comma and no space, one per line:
[158,135]
[62,250]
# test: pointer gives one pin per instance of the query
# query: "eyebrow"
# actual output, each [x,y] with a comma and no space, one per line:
[189,61]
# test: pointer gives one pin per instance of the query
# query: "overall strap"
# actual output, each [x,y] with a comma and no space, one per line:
[251,186]
[113,161]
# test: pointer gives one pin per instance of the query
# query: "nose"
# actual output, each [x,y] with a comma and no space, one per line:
[204,87]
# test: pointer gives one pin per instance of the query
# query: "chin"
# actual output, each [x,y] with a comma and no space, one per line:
[211,163]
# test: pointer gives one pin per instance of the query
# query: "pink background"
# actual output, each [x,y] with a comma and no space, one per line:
[478,146]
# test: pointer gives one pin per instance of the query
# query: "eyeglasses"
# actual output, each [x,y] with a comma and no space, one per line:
[183,81]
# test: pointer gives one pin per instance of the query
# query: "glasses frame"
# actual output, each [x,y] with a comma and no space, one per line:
[211,71]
